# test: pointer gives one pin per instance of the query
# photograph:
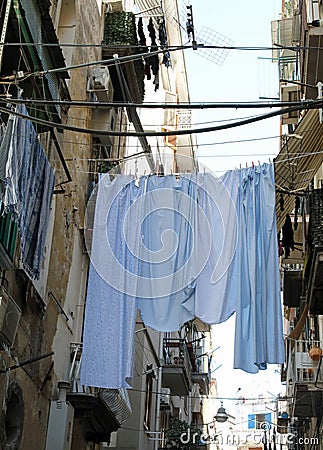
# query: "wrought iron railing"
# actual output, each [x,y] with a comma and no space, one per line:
[176,354]
[303,364]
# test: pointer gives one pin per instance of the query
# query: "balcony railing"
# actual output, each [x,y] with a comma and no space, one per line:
[200,369]
[302,369]
[305,379]
[177,369]
[120,30]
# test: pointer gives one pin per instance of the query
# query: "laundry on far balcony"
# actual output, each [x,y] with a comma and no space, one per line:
[27,185]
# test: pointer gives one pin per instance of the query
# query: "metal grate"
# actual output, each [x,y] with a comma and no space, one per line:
[207,36]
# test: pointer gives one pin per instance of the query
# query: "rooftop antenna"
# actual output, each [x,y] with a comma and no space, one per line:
[200,39]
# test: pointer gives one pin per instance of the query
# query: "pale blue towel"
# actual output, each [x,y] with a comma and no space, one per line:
[108,338]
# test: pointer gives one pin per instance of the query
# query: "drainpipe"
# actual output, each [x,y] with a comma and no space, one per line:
[63,387]
[320,323]
[189,409]
[159,385]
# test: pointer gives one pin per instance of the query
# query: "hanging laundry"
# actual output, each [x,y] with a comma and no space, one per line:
[110,314]
[167,252]
[288,236]
[215,287]
[189,246]
[297,205]
[258,324]
[28,185]
[153,61]
[142,38]
[143,47]
[163,42]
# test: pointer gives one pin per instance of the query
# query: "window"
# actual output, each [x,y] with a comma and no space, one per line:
[12,425]
[8,238]
[259,421]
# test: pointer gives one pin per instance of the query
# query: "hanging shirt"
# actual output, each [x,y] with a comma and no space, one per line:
[215,295]
[169,264]
[258,326]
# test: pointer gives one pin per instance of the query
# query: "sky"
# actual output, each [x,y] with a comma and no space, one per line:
[243,77]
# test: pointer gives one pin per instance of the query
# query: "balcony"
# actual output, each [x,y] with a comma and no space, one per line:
[292,287]
[305,379]
[176,370]
[313,60]
[101,411]
[120,30]
[200,368]
[315,268]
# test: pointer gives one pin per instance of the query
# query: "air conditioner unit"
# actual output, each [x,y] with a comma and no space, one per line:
[104,119]
[101,84]
[10,314]
[165,397]
[290,93]
[60,426]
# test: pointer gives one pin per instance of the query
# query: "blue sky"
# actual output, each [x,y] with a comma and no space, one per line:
[242,77]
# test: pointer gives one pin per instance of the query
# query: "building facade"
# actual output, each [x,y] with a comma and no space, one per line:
[298,173]
[57,58]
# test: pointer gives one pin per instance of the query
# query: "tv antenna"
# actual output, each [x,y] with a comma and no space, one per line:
[204,37]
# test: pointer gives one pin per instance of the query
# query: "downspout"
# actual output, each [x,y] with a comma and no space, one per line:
[4,30]
[159,385]
[320,327]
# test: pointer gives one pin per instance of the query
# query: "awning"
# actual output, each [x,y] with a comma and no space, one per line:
[118,402]
[298,161]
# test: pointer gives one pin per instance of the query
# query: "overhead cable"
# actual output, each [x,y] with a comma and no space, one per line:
[200,46]
[301,104]
[312,105]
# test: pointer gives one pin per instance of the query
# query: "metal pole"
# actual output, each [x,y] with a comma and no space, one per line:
[319,96]
[159,384]
[4,30]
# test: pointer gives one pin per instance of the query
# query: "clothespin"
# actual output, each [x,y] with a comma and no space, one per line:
[137,179]
[253,164]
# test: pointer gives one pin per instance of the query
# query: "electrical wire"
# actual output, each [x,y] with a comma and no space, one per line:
[276,47]
[35,109]
[300,104]
[313,105]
